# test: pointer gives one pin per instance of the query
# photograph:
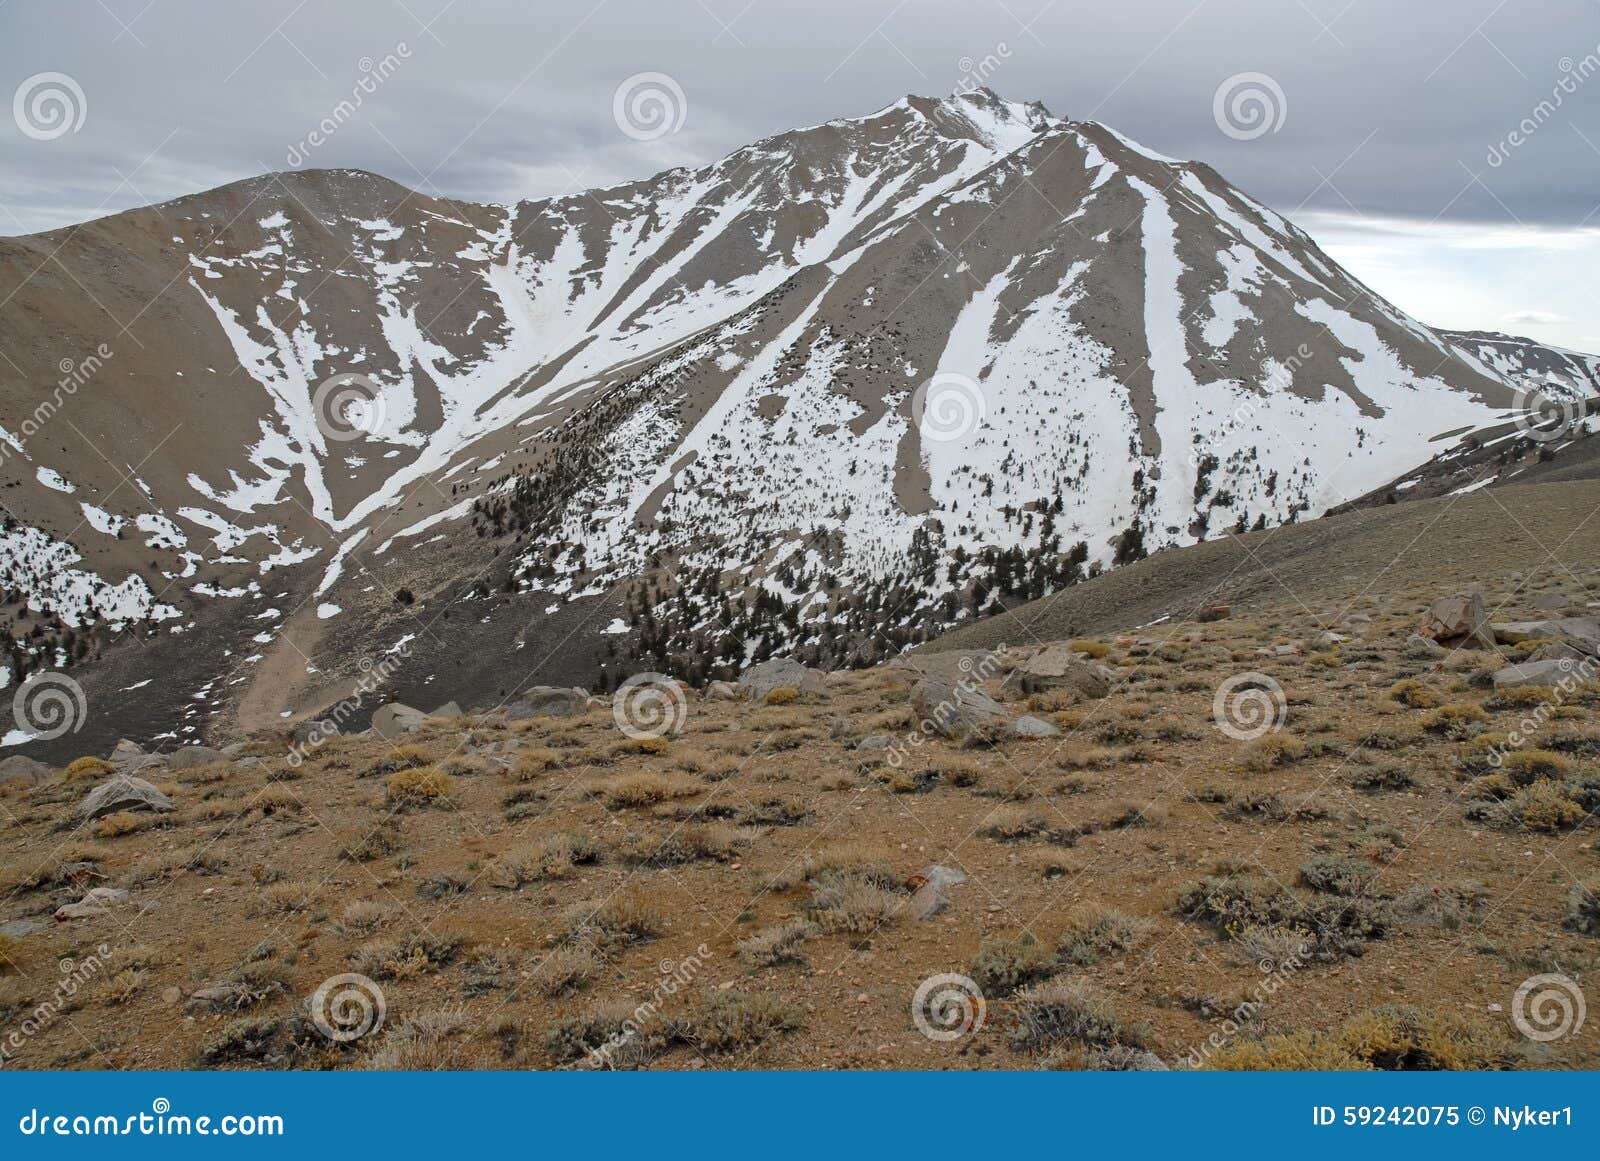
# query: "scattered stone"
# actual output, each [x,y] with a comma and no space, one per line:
[1461,618]
[548,701]
[18,928]
[723,691]
[97,901]
[1561,651]
[956,710]
[1552,603]
[1217,612]
[1286,650]
[1534,673]
[1028,728]
[449,711]
[1329,637]
[875,742]
[1419,648]
[20,766]
[123,792]
[394,719]
[927,889]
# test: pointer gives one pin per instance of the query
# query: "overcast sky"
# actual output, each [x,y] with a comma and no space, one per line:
[1388,127]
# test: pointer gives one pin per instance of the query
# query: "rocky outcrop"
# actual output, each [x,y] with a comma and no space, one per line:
[1058,667]
[191,756]
[124,792]
[954,709]
[548,701]
[780,672]
[20,767]
[1582,633]
[394,720]
[1459,619]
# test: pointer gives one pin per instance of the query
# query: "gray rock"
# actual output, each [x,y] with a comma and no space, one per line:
[1580,632]
[1419,648]
[394,720]
[448,711]
[928,890]
[315,731]
[20,766]
[1564,651]
[1552,603]
[1058,667]
[130,757]
[1461,618]
[97,901]
[875,742]
[952,664]
[780,672]
[1028,728]
[123,792]
[548,701]
[1535,673]
[191,756]
[1329,637]
[953,709]
[723,691]
[18,928]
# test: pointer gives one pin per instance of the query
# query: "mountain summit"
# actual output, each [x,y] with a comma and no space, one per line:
[847,386]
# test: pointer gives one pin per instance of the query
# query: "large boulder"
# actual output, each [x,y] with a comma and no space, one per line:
[1459,619]
[130,757]
[778,673]
[393,720]
[1028,728]
[548,701]
[953,664]
[956,709]
[1058,667]
[123,792]
[189,757]
[1535,673]
[20,767]
[1581,633]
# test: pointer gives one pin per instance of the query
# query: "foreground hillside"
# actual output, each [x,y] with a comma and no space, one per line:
[1289,836]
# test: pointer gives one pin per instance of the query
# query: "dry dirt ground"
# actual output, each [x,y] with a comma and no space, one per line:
[1358,888]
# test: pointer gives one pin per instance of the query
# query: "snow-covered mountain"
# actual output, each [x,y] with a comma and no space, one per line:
[1554,371]
[847,385]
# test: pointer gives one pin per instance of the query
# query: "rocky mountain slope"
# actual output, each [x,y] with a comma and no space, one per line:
[846,387]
